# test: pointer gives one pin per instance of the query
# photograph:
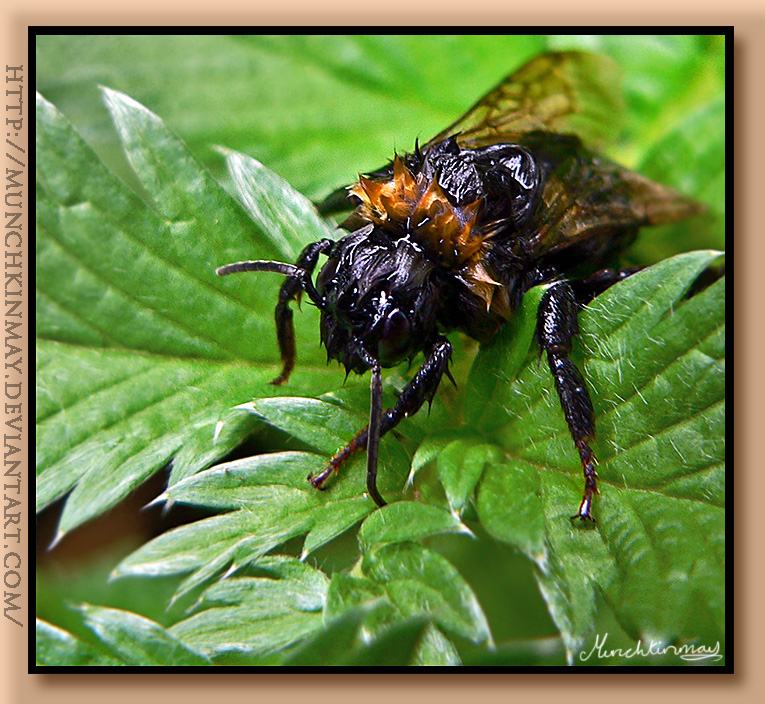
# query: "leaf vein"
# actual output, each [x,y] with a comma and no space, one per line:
[126,419]
[71,311]
[193,334]
[109,384]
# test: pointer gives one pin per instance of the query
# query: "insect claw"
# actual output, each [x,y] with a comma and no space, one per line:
[584,518]
[318,480]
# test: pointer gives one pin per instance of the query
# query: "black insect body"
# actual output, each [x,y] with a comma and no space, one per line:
[452,235]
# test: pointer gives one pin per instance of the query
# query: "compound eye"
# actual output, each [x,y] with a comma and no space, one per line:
[395,334]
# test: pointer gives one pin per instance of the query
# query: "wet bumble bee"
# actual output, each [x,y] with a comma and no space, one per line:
[451,236]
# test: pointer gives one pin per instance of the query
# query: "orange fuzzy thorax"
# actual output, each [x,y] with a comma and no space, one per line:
[423,208]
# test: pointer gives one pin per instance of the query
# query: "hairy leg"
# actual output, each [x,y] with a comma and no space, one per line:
[422,387]
[291,290]
[556,325]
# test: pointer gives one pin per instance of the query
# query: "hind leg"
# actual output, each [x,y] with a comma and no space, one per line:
[556,326]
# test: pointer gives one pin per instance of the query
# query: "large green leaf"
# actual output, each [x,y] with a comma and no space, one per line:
[143,355]
[656,365]
[159,349]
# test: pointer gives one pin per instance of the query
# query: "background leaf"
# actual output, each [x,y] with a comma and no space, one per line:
[138,641]
[57,647]
[143,355]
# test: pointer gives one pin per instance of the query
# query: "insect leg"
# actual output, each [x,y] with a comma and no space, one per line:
[291,289]
[556,325]
[373,433]
[586,289]
[299,280]
[422,387]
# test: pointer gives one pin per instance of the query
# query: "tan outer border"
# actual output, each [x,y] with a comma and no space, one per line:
[13,638]
[748,158]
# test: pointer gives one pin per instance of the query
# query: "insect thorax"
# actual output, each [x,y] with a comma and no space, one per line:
[454,203]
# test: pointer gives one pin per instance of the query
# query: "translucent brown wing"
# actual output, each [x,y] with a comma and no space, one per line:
[595,199]
[561,92]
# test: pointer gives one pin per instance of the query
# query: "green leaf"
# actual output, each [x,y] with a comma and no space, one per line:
[258,615]
[655,365]
[333,520]
[290,220]
[347,593]
[211,546]
[511,508]
[406,581]
[429,449]
[138,641]
[406,520]
[271,499]
[57,648]
[499,362]
[419,582]
[319,424]
[460,466]
[160,375]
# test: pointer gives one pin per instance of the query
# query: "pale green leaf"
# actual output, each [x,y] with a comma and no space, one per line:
[138,641]
[57,648]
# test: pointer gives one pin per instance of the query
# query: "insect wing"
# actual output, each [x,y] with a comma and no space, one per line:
[589,196]
[561,92]
[567,92]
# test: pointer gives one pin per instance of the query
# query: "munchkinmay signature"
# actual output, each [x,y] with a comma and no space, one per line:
[685,652]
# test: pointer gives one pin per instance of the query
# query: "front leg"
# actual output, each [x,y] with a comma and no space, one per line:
[556,325]
[422,387]
[289,291]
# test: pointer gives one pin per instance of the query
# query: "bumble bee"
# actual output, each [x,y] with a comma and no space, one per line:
[451,236]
